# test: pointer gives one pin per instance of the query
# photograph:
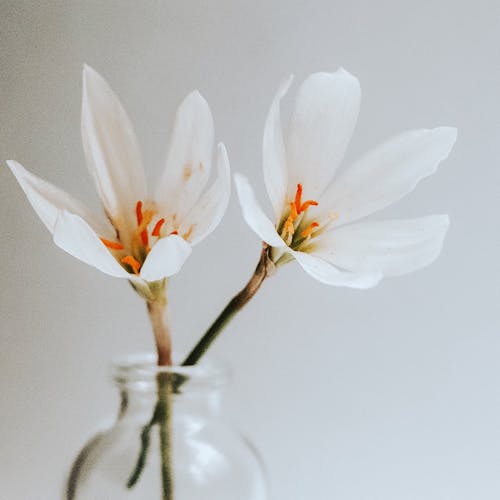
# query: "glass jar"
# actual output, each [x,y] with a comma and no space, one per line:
[169,441]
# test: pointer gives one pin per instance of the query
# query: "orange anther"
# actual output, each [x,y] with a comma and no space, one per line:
[145,237]
[298,198]
[309,229]
[293,210]
[145,217]
[138,212]
[174,232]
[132,262]
[307,204]
[299,206]
[157,228]
[114,245]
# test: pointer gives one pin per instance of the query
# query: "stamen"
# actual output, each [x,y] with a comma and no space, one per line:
[114,245]
[289,227]
[299,206]
[288,231]
[132,262]
[157,228]
[145,237]
[174,232]
[146,218]
[306,205]
[298,198]
[187,234]
[138,212]
[309,229]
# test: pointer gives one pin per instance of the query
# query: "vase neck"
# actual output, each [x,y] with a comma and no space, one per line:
[192,392]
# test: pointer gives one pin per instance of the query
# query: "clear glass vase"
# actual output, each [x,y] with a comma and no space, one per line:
[169,441]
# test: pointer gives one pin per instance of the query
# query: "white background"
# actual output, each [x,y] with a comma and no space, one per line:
[388,394]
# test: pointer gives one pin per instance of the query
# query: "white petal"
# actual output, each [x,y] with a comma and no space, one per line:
[274,155]
[165,258]
[388,173]
[47,200]
[111,149]
[253,214]
[324,116]
[393,247]
[327,273]
[189,158]
[75,236]
[209,209]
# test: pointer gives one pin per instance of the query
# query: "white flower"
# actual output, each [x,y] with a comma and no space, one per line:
[315,208]
[142,238]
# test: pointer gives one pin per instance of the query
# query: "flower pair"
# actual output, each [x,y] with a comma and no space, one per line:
[146,238]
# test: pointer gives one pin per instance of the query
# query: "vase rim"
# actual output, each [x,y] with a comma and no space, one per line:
[141,368]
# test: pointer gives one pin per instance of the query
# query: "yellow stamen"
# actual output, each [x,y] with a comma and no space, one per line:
[289,227]
[309,229]
[294,219]
[132,262]
[187,234]
[114,245]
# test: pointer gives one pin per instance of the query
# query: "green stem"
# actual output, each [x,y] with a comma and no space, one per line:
[165,428]
[145,442]
[163,408]
[264,268]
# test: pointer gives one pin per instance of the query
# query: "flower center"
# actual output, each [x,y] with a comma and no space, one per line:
[134,258]
[294,230]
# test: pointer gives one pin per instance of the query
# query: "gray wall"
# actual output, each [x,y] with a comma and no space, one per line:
[387,394]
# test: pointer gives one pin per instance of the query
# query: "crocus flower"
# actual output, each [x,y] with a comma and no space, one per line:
[316,209]
[142,237]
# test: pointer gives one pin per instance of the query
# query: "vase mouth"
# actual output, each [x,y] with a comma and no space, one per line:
[140,371]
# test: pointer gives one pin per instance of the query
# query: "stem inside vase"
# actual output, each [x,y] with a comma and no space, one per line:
[164,415]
